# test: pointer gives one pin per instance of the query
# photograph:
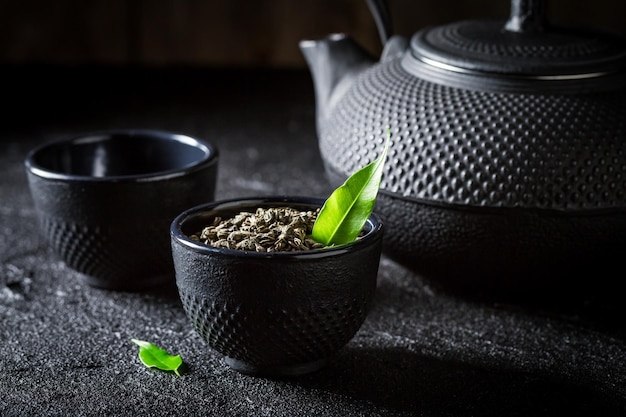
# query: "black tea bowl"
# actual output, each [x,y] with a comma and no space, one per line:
[105,201]
[274,314]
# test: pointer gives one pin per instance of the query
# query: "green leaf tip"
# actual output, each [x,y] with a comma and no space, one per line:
[346,210]
[153,356]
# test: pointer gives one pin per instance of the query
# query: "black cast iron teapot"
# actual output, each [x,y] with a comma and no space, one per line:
[507,167]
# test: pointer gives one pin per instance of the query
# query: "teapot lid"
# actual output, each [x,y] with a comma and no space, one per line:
[510,54]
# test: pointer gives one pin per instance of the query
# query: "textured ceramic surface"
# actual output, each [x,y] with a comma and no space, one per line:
[274,314]
[105,200]
[515,141]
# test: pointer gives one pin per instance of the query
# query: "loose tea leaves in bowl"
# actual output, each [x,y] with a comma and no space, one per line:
[273,314]
[274,229]
[283,229]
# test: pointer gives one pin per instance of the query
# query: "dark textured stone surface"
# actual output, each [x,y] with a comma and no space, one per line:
[65,348]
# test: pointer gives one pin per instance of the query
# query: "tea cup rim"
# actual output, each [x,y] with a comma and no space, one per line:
[209,155]
[374,228]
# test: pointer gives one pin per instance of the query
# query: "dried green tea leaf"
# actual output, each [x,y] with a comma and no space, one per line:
[153,356]
[347,209]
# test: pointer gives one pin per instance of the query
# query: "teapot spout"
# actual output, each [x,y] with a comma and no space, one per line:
[334,63]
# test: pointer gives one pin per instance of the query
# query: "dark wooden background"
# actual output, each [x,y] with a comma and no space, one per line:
[232,33]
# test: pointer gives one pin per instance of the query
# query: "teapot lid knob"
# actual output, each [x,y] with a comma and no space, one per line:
[527,16]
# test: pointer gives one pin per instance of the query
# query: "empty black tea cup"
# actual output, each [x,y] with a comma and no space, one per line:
[105,200]
[274,314]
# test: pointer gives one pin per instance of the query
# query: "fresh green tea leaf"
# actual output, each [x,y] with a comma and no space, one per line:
[154,357]
[346,210]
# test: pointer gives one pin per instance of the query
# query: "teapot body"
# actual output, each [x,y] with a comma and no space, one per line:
[485,187]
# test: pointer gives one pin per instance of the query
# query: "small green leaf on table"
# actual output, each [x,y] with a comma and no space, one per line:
[153,356]
[345,212]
